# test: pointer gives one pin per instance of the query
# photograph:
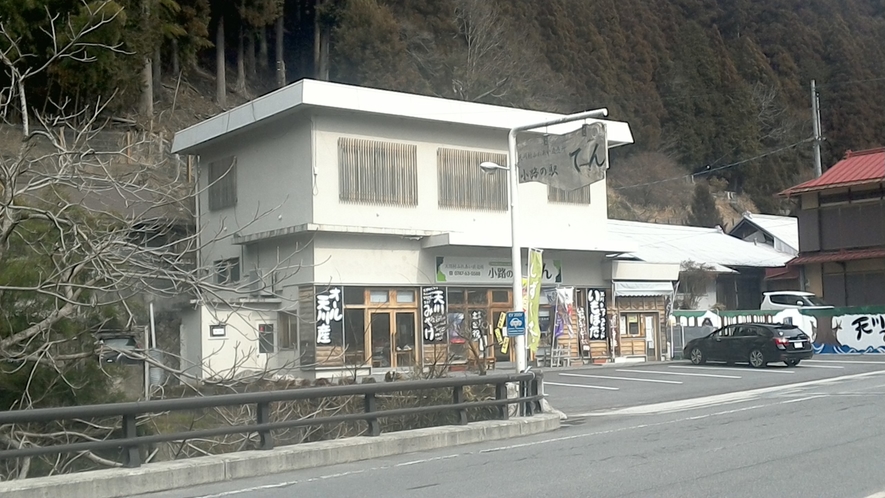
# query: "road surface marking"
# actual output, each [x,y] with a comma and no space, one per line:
[880,494]
[733,369]
[861,362]
[581,385]
[657,381]
[718,399]
[806,398]
[682,373]
[821,366]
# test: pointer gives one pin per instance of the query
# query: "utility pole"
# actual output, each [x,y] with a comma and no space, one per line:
[815,118]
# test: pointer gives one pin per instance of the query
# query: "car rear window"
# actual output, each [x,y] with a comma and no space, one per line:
[787,331]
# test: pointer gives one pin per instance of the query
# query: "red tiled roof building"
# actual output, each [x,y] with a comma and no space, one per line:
[842,230]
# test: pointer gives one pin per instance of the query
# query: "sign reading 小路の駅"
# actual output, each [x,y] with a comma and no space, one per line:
[433,314]
[567,162]
[465,270]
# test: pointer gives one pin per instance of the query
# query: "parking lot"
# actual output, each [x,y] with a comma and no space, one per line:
[592,388]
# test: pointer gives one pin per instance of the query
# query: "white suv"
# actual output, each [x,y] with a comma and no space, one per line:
[784,300]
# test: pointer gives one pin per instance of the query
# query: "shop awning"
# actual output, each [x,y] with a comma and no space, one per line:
[636,289]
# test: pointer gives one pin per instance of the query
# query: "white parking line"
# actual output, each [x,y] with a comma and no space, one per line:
[719,399]
[861,362]
[820,366]
[621,378]
[581,385]
[732,369]
[806,398]
[638,370]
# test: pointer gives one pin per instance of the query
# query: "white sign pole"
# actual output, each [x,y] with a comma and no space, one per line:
[515,249]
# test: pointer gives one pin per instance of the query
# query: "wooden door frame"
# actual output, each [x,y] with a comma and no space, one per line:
[392,356]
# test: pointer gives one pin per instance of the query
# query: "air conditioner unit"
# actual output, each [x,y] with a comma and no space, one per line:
[261,283]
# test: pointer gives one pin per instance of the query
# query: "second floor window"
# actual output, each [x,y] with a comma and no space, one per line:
[577,196]
[227,271]
[463,184]
[223,183]
[375,172]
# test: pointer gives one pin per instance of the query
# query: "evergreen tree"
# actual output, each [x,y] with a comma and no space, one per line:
[704,212]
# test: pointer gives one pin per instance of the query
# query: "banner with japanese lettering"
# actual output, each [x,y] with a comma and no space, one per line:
[433,314]
[863,333]
[596,315]
[329,317]
[533,295]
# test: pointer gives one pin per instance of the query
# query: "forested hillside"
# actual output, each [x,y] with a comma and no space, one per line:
[715,87]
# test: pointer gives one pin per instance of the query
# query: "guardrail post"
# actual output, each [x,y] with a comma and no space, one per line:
[501,393]
[533,389]
[131,455]
[371,407]
[265,437]
[457,399]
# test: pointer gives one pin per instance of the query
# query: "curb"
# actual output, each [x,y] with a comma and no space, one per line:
[165,476]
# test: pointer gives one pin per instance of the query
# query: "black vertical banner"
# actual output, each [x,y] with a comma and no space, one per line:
[596,315]
[433,314]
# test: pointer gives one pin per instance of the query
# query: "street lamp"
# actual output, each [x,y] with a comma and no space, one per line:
[516,249]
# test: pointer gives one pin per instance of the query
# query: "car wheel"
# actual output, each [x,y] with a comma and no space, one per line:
[697,356]
[757,359]
[792,363]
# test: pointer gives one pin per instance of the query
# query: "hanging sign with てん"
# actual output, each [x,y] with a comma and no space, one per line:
[567,162]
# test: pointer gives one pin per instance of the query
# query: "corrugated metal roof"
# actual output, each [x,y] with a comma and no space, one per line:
[857,168]
[828,257]
[785,228]
[711,246]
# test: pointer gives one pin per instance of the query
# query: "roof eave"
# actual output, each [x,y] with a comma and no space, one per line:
[309,93]
[817,188]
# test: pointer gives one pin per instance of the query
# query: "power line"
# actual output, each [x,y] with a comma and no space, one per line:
[719,168]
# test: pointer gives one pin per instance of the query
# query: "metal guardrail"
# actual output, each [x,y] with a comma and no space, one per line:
[529,397]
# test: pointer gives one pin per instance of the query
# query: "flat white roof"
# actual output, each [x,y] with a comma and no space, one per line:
[659,243]
[323,94]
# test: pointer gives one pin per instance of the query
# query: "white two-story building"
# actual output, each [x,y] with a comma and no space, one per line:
[361,232]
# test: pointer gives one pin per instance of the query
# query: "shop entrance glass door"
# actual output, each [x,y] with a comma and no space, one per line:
[393,339]
[404,339]
[381,330]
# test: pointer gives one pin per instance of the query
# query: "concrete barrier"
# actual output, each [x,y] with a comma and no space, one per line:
[151,478]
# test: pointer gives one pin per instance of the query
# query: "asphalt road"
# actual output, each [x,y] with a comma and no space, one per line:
[584,389]
[818,433]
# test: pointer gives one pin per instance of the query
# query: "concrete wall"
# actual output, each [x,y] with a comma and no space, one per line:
[240,345]
[370,259]
[535,211]
[640,270]
[191,344]
[274,184]
[292,258]
[393,260]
